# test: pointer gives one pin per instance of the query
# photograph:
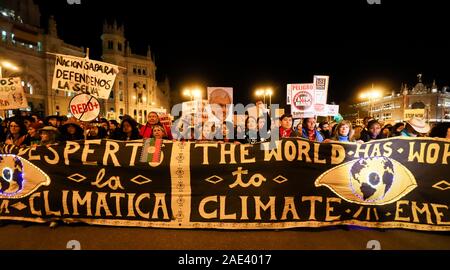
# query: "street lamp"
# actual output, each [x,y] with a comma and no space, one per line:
[265,92]
[192,93]
[371,95]
[7,65]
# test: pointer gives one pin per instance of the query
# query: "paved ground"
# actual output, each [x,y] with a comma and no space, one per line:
[17,236]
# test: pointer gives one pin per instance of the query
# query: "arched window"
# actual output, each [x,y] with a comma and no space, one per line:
[418,105]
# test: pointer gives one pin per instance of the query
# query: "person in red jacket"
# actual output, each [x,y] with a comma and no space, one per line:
[152,120]
[286,130]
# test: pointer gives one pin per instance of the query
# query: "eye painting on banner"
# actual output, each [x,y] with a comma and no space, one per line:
[390,183]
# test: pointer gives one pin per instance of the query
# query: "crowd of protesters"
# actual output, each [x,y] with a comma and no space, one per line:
[31,130]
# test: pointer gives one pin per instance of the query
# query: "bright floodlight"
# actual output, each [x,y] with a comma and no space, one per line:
[9,65]
[186,92]
[196,92]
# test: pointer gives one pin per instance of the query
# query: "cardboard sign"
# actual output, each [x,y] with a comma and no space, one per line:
[321,92]
[410,113]
[12,95]
[329,110]
[84,107]
[289,94]
[83,75]
[303,100]
[165,119]
[223,97]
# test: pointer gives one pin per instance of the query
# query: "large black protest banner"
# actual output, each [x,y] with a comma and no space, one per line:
[390,183]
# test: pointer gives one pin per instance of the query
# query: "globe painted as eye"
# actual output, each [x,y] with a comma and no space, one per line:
[7,174]
[372,178]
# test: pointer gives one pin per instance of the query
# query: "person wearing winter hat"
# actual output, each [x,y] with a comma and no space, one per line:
[48,135]
[71,130]
[34,137]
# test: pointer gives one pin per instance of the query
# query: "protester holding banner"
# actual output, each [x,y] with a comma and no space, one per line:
[343,132]
[208,131]
[95,132]
[27,121]
[309,130]
[3,130]
[49,135]
[52,120]
[264,128]
[17,133]
[397,129]
[286,130]
[153,119]
[415,127]
[71,130]
[159,132]
[373,133]
[324,129]
[128,130]
[251,131]
[228,133]
[386,130]
[441,130]
[112,126]
[33,134]
[357,131]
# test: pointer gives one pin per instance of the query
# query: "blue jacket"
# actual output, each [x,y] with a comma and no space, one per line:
[319,137]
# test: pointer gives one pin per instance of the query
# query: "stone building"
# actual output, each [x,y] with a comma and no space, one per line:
[432,102]
[26,46]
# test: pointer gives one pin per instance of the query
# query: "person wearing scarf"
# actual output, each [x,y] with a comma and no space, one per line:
[286,130]
[152,120]
[309,130]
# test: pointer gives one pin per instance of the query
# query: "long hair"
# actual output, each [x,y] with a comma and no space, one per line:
[134,128]
[350,130]
[19,122]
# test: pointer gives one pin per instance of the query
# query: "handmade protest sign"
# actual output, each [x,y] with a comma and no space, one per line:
[12,95]
[303,100]
[320,92]
[84,107]
[83,75]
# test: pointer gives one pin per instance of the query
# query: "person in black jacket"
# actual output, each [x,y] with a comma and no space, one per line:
[127,131]
[373,132]
[71,131]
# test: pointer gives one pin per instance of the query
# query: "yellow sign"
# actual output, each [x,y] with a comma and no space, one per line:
[410,113]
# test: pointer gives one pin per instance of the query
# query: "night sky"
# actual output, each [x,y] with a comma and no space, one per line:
[229,43]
